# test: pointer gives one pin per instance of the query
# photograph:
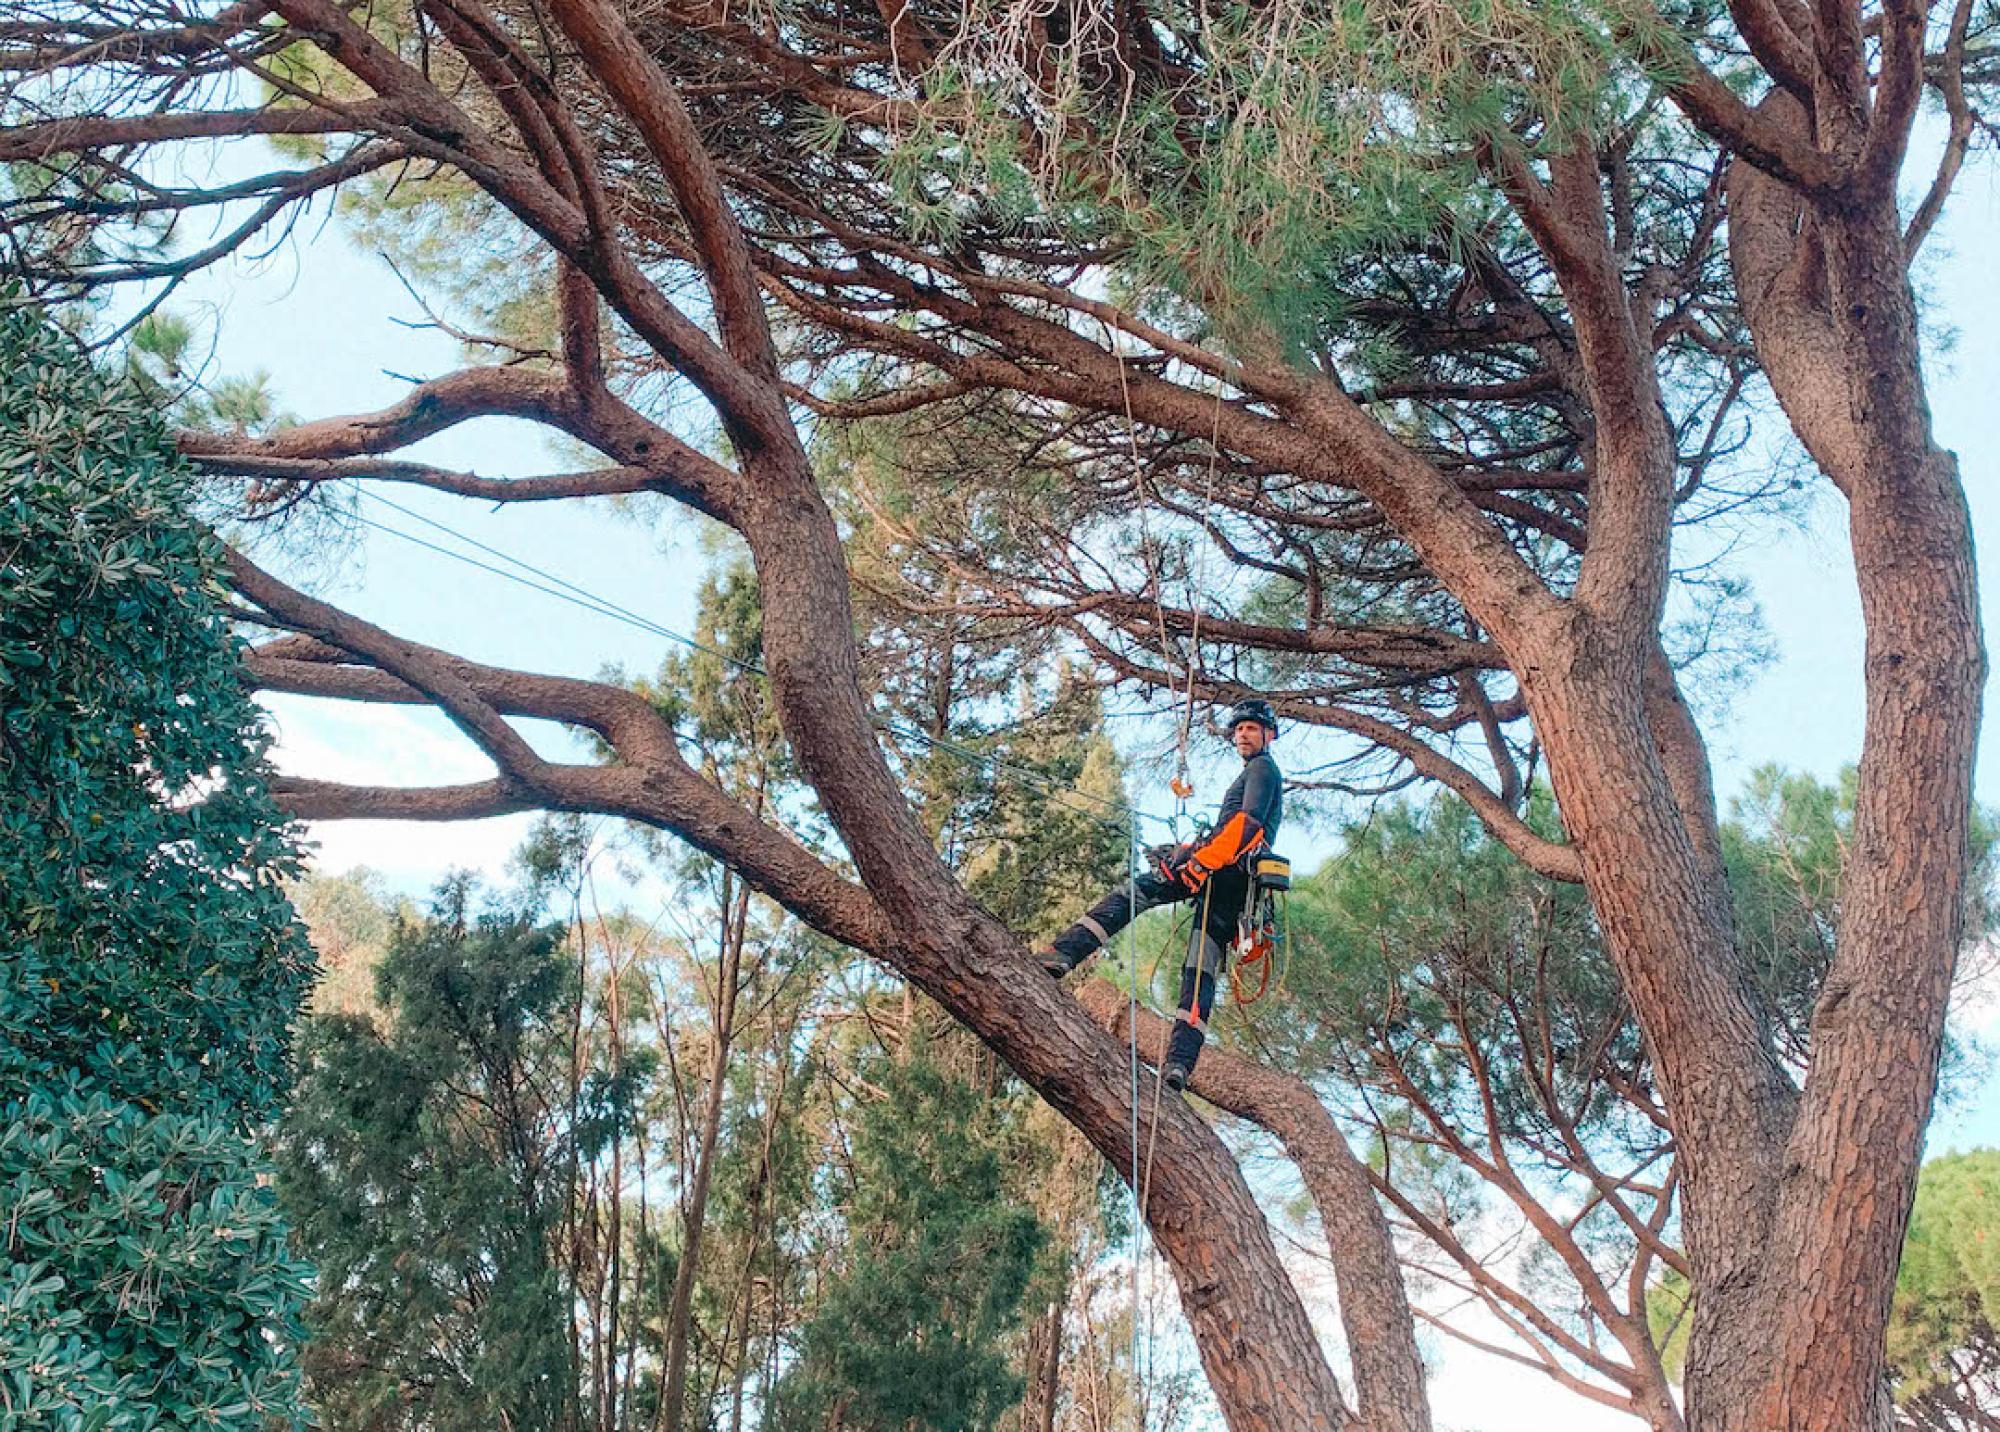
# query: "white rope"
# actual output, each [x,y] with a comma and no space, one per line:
[1132,1033]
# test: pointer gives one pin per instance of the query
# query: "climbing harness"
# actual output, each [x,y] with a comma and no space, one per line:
[1264,924]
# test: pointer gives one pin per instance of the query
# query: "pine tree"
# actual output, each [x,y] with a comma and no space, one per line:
[911,1333]
[423,1161]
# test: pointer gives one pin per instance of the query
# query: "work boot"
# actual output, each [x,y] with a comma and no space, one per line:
[1183,1050]
[1055,964]
[1072,947]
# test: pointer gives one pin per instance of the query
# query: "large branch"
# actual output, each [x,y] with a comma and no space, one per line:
[1717,111]
[651,458]
[634,80]
[1374,1307]
[1899,87]
[522,768]
[597,482]
[74,135]
[651,782]
[430,407]
[329,800]
[1625,569]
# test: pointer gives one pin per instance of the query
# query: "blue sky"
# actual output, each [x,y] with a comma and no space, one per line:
[320,320]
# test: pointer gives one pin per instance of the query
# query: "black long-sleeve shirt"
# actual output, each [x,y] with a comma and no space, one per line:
[1249,815]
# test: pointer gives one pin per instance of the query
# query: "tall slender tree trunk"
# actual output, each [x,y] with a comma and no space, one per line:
[1039,1412]
[735,922]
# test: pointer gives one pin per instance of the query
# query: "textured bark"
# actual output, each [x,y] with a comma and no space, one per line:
[1374,1307]
[1827,293]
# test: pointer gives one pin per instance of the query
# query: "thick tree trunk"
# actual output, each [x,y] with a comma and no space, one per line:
[1668,927]
[1829,301]
[1257,1346]
[1389,1381]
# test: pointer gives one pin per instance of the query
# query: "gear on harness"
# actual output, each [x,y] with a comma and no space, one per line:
[1258,930]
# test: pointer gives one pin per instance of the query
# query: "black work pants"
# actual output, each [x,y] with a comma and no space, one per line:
[1218,911]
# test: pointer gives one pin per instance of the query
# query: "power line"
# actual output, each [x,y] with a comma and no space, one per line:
[551,584]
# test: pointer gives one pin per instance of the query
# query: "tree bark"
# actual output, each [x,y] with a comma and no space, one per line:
[1826,289]
[1389,1382]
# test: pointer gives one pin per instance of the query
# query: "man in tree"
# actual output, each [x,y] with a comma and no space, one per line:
[1215,866]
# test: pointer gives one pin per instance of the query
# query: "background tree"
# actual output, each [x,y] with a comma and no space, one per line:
[910,1332]
[423,1165]
[152,967]
[1943,1346]
[1458,1011]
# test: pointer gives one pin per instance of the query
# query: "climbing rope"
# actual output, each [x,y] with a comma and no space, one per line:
[1180,785]
[1132,1031]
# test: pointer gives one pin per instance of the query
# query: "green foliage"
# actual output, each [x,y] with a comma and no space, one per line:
[1291,138]
[1474,1005]
[1669,1318]
[422,1163]
[911,1334]
[161,361]
[350,920]
[1944,1327]
[1948,1291]
[150,966]
[1785,848]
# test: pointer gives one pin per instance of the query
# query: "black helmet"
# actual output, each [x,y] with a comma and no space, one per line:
[1252,710]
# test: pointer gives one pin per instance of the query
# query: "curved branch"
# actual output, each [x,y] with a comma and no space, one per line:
[430,407]
[650,457]
[522,769]
[597,482]
[635,82]
[651,782]
[1374,1306]
[1950,80]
